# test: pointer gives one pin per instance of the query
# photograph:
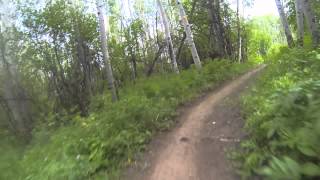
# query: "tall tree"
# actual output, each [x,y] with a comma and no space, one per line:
[217,26]
[285,23]
[168,37]
[300,22]
[189,35]
[15,96]
[104,48]
[312,22]
[239,32]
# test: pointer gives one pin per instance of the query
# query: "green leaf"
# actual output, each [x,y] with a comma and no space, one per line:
[311,169]
[271,132]
[307,151]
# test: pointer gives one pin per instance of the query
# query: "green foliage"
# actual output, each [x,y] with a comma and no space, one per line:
[283,118]
[110,137]
[55,47]
[11,152]
[265,32]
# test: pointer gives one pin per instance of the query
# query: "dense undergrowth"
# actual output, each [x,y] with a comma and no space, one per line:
[283,119]
[101,144]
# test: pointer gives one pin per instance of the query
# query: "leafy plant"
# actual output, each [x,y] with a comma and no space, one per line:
[283,119]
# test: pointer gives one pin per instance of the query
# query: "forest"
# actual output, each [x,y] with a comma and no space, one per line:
[88,86]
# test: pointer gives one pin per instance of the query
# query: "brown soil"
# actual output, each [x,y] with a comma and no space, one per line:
[196,148]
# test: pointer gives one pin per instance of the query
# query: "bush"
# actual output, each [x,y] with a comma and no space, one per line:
[283,119]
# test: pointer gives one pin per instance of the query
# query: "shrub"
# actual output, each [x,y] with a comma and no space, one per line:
[283,119]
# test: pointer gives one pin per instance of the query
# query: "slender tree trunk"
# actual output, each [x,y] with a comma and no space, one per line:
[181,45]
[156,58]
[216,27]
[228,29]
[223,29]
[312,22]
[81,55]
[168,38]
[133,63]
[285,23]
[300,22]
[184,36]
[189,35]
[239,32]
[104,47]
[15,96]
[240,50]
[19,105]
[82,68]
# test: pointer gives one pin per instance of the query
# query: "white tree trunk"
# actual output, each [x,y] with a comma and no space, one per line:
[240,50]
[104,47]
[188,31]
[285,23]
[19,105]
[312,22]
[300,22]
[168,37]
[15,96]
[239,32]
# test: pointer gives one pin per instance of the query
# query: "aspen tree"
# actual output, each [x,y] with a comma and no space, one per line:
[168,37]
[239,32]
[105,54]
[312,22]
[300,22]
[189,35]
[285,23]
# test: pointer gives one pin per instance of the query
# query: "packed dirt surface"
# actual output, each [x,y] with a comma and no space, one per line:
[196,148]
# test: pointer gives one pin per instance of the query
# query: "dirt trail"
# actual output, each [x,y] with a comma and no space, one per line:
[196,149]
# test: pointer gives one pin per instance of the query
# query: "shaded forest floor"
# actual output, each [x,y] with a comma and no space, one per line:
[196,149]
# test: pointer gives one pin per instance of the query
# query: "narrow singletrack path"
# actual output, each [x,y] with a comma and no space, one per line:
[196,148]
